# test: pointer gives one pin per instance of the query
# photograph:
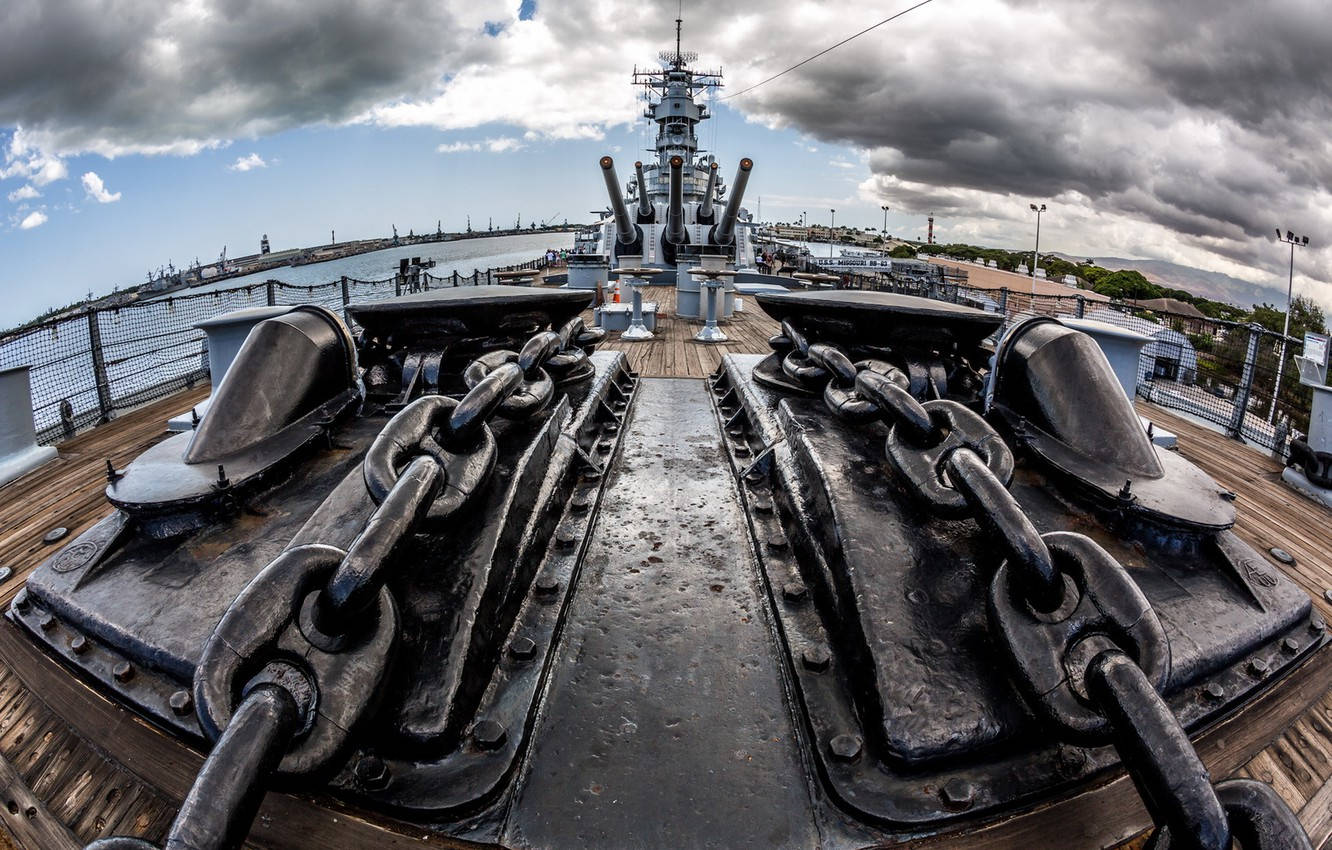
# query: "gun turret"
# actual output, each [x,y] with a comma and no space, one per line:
[675,232]
[705,211]
[628,238]
[724,231]
[647,214]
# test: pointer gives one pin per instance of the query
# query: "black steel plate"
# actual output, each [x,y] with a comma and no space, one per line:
[879,318]
[469,311]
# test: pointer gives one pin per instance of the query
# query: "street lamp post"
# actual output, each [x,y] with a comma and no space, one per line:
[884,232]
[1285,331]
[1035,254]
[832,222]
[804,229]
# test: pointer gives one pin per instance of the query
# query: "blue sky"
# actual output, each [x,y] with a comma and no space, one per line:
[1185,131]
[361,180]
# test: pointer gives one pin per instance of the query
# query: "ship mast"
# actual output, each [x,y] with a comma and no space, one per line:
[671,92]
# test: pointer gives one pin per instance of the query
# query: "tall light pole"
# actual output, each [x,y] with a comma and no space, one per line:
[884,232]
[1285,331]
[832,222]
[804,230]
[1037,250]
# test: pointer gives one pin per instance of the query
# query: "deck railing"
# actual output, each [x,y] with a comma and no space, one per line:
[87,367]
[1215,370]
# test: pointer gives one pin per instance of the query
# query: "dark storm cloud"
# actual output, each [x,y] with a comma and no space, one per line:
[127,74]
[1210,119]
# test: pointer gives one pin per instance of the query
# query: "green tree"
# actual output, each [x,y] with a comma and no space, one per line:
[1126,283]
[904,252]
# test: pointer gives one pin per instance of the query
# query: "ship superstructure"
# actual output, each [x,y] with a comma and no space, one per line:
[677,198]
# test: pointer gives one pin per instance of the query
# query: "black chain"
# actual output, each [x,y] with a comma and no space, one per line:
[333,609]
[1084,645]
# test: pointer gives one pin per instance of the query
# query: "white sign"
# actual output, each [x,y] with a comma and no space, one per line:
[1315,348]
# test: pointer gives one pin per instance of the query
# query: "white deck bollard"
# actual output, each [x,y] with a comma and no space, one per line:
[19,452]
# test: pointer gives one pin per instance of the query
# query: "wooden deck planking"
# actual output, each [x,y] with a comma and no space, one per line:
[673,353]
[81,794]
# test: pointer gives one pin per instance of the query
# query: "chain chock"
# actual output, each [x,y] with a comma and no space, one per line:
[466,452]
[922,464]
[264,624]
[1049,650]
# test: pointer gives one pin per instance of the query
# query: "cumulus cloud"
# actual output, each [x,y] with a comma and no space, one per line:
[1186,130]
[26,192]
[248,163]
[33,219]
[96,189]
[502,144]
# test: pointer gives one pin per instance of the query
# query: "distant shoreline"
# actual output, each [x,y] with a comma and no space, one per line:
[312,255]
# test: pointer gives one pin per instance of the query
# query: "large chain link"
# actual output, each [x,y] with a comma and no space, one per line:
[332,610]
[1084,645]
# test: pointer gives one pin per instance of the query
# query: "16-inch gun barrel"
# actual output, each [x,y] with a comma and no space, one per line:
[647,214]
[705,211]
[626,232]
[724,232]
[675,232]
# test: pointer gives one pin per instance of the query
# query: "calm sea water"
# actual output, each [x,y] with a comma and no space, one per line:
[464,255]
[151,344]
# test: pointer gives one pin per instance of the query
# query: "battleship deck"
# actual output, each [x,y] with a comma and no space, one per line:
[67,779]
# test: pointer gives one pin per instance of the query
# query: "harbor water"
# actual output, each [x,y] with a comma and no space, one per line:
[150,348]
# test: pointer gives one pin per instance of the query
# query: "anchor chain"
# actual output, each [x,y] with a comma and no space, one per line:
[1083,644]
[300,657]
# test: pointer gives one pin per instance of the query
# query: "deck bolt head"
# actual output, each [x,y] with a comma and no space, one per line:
[1258,667]
[580,505]
[741,451]
[5,573]
[47,622]
[371,772]
[611,427]
[489,734]
[816,658]
[958,793]
[124,671]
[55,535]
[1214,691]
[1290,645]
[522,649]
[605,448]
[1317,624]
[845,747]
[182,703]
[795,591]
[1327,594]
[547,586]
[777,542]
[1281,555]
[565,539]
[762,505]
[78,644]
[23,602]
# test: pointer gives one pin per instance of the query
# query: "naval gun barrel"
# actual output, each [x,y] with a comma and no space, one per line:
[626,232]
[705,211]
[646,213]
[675,232]
[724,232]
